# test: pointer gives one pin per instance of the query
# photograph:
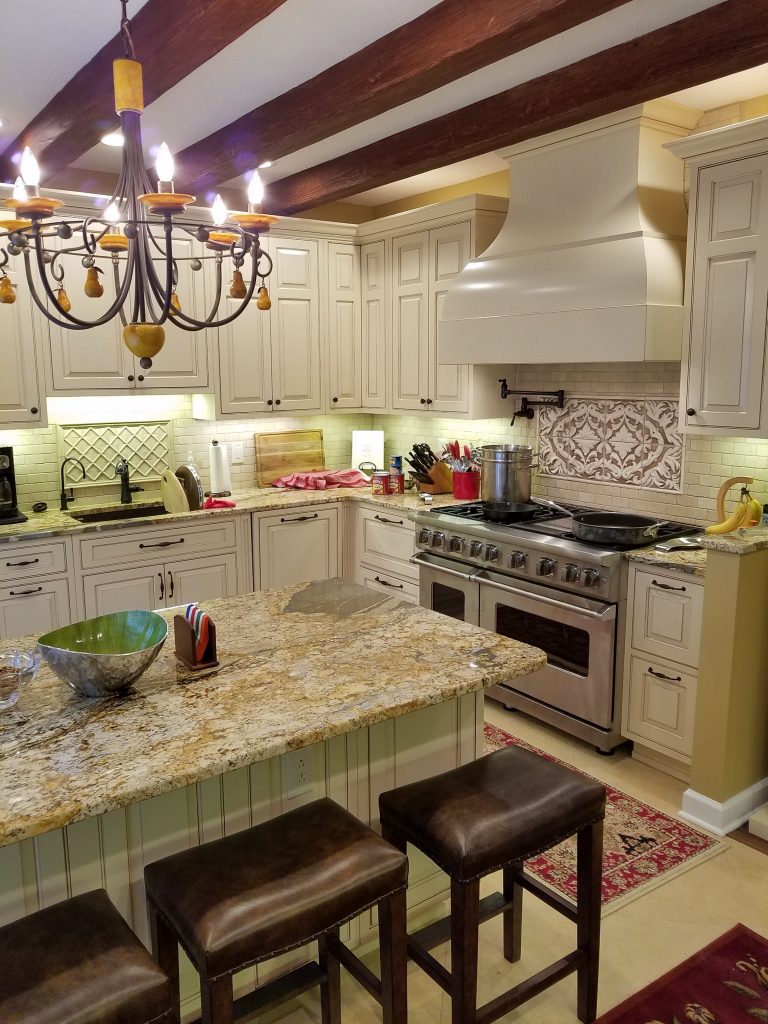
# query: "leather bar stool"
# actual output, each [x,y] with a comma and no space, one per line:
[251,896]
[493,814]
[78,962]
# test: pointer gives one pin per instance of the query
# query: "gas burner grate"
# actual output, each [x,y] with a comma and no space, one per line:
[475,512]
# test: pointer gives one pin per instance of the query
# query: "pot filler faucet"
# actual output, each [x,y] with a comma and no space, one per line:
[67,498]
[127,490]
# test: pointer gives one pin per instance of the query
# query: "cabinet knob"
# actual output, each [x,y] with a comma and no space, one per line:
[277,401]
[141,377]
[423,401]
[334,399]
[131,378]
[34,410]
[429,401]
[690,411]
[269,401]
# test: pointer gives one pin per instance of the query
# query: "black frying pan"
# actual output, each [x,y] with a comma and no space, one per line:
[509,511]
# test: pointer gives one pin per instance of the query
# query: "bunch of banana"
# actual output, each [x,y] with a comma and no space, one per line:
[748,512]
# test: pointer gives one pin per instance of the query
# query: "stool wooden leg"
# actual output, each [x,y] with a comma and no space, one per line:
[513,918]
[330,989]
[165,950]
[465,924]
[394,958]
[216,1000]
[589,892]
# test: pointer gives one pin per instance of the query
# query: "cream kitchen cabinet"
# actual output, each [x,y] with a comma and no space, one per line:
[297,545]
[269,361]
[664,612]
[22,389]
[344,349]
[34,587]
[724,365]
[374,324]
[78,364]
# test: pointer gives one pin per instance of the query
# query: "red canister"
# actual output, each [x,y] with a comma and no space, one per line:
[467,485]
[380,483]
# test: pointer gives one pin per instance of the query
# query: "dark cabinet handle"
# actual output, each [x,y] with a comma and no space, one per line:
[660,675]
[131,378]
[34,410]
[690,411]
[392,522]
[25,593]
[277,401]
[162,585]
[386,583]
[334,399]
[18,565]
[269,401]
[429,401]
[141,377]
[423,401]
[162,544]
[173,585]
[666,586]
[299,519]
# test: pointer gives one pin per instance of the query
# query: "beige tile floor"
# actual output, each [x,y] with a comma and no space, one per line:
[640,941]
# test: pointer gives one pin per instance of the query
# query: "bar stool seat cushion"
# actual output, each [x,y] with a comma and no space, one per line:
[500,808]
[250,895]
[78,962]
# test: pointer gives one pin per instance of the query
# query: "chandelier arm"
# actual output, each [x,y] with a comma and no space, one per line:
[116,276]
[163,297]
[4,258]
[199,324]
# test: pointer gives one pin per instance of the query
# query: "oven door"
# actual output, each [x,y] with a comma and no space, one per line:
[447,587]
[577,633]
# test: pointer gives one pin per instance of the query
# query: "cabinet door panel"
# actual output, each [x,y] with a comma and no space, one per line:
[344,339]
[20,390]
[124,590]
[410,321]
[449,253]
[374,328]
[299,546]
[662,700]
[729,296]
[245,361]
[667,617]
[34,608]
[295,325]
[202,580]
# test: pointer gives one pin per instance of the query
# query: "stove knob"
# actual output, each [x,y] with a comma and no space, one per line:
[517,560]
[591,578]
[491,553]
[438,539]
[476,549]
[424,535]
[571,573]
[546,567]
[456,544]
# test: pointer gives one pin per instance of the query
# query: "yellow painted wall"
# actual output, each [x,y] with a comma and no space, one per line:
[730,751]
[488,185]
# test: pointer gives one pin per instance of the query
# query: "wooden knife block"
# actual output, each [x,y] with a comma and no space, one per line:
[441,480]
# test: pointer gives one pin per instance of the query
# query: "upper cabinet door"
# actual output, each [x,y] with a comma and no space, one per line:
[374,328]
[344,347]
[449,253]
[729,296]
[183,360]
[21,398]
[245,358]
[94,359]
[295,315]
[410,321]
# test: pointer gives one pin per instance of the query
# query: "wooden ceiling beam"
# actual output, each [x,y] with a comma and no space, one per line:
[448,41]
[711,44]
[170,39]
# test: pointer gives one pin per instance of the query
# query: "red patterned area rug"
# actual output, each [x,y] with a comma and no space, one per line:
[643,847]
[723,983]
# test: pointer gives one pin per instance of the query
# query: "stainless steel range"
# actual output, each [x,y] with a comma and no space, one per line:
[533,581]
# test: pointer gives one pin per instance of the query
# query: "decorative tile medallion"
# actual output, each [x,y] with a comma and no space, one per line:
[630,441]
[146,446]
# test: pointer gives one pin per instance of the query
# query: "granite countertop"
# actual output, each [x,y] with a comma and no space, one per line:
[740,542]
[692,562]
[297,666]
[54,523]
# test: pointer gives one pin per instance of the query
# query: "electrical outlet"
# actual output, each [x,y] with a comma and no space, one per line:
[238,453]
[298,773]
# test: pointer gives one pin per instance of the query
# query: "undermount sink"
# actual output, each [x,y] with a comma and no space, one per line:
[116,515]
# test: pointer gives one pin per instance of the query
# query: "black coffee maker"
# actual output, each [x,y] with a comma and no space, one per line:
[9,510]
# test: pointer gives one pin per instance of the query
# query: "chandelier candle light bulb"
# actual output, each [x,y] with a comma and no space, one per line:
[165,168]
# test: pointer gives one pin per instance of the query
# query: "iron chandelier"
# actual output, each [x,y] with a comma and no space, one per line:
[134,232]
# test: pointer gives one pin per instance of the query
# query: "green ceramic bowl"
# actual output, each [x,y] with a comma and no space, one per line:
[103,656]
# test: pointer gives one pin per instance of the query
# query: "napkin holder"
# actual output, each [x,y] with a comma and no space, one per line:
[185,645]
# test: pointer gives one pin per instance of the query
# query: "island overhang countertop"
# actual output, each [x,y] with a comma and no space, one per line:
[297,666]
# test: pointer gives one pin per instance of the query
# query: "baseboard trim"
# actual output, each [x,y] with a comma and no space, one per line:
[722,818]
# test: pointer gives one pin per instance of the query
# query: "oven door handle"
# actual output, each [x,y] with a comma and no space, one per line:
[604,616]
[419,560]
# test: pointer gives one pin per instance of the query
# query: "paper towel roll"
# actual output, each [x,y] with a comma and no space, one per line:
[221,483]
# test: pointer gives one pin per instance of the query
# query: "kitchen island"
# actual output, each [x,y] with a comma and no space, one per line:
[323,688]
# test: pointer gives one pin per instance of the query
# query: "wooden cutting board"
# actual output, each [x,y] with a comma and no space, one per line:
[287,451]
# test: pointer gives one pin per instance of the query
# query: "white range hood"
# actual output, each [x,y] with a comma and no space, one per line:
[589,264]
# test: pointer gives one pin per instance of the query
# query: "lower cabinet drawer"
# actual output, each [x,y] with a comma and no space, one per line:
[34,608]
[129,547]
[388,583]
[20,562]
[387,539]
[661,705]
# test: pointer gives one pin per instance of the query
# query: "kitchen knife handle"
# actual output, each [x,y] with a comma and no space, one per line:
[392,522]
[666,586]
[298,519]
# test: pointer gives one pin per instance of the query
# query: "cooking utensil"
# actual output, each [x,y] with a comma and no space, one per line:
[506,473]
[281,453]
[618,529]
[546,503]
[193,486]
[174,497]
[509,511]
[681,544]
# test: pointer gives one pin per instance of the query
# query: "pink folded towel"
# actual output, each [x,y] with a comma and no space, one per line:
[322,479]
[218,503]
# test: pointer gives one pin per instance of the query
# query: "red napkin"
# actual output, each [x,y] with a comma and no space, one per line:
[219,503]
